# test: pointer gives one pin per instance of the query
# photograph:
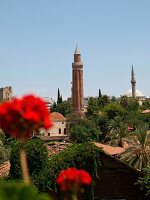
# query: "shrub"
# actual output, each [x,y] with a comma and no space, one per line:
[13,190]
[144,182]
[113,110]
[15,168]
[84,130]
[81,156]
[37,156]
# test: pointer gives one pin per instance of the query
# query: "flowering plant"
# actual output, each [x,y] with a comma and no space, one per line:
[20,117]
[72,180]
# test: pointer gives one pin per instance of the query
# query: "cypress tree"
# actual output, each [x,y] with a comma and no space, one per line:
[59,97]
[100,94]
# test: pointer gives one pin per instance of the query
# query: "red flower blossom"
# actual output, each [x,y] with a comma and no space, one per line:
[20,117]
[73,179]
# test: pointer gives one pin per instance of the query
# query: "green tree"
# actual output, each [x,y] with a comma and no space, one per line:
[83,130]
[64,108]
[16,190]
[37,156]
[145,105]
[104,125]
[59,97]
[114,99]
[138,152]
[92,108]
[119,132]
[81,156]
[103,101]
[144,182]
[132,118]
[124,101]
[145,118]
[129,104]
[99,94]
[133,105]
[54,105]
[113,110]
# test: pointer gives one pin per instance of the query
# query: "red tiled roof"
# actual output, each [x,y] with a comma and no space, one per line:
[145,111]
[57,116]
[109,149]
[54,138]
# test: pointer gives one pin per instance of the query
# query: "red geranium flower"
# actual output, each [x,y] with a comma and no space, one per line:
[72,179]
[20,117]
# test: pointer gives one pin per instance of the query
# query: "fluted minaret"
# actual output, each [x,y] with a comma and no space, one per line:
[77,84]
[133,82]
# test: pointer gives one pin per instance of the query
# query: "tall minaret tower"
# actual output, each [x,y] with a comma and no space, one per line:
[77,84]
[133,82]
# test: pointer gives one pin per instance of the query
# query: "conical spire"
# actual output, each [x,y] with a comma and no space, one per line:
[132,70]
[77,50]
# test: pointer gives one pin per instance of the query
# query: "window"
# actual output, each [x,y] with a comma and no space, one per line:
[59,130]
[48,134]
[65,131]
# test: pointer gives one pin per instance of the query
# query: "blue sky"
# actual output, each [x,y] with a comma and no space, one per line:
[38,39]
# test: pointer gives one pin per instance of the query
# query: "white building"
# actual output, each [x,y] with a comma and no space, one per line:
[139,95]
[59,125]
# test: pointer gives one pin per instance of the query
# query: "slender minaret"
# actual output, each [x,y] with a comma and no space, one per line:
[133,82]
[77,84]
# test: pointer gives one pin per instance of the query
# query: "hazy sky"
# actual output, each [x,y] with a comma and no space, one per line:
[38,39]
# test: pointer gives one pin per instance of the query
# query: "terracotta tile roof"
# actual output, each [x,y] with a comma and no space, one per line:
[145,111]
[109,149]
[56,148]
[57,116]
[54,138]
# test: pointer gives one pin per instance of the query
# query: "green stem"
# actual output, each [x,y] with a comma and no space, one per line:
[24,167]
[71,197]
[74,197]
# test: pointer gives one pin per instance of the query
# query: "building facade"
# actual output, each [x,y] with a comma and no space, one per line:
[6,93]
[58,128]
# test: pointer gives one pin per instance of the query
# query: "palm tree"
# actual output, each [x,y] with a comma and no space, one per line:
[138,152]
[118,132]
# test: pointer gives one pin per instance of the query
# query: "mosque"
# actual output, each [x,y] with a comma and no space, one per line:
[78,100]
[134,93]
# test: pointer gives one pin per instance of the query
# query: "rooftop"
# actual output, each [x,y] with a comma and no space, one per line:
[128,93]
[56,116]
[109,149]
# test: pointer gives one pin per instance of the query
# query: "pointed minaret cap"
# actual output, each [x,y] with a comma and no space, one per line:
[77,50]
[132,70]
